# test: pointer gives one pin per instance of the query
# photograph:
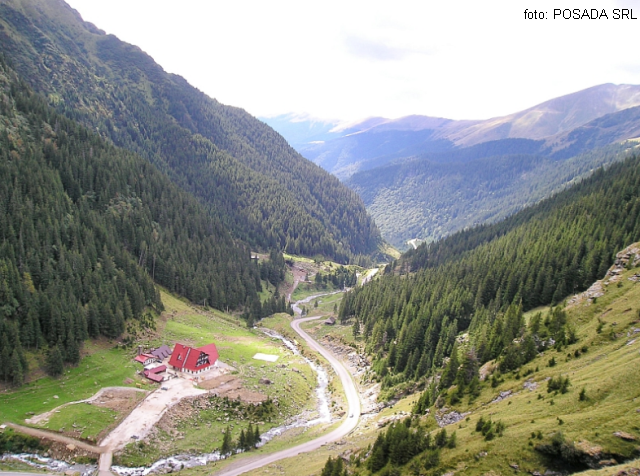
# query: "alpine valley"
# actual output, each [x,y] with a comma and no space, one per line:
[182,291]
[423,178]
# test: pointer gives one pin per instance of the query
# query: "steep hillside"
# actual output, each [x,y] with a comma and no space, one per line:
[432,198]
[435,194]
[425,178]
[536,257]
[564,406]
[552,117]
[85,229]
[239,168]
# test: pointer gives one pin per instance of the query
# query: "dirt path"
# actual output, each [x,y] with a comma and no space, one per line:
[370,275]
[299,274]
[149,411]
[56,437]
[45,416]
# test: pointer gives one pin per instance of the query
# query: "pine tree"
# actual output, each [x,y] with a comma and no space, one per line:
[54,364]
[15,369]
[225,448]
[242,441]
[256,436]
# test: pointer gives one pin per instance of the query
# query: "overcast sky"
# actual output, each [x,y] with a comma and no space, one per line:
[348,60]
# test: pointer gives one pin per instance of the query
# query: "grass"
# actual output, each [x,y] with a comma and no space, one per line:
[20,467]
[304,290]
[89,422]
[106,366]
[605,371]
[199,430]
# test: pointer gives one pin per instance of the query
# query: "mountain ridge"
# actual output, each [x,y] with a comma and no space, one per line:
[344,154]
[240,169]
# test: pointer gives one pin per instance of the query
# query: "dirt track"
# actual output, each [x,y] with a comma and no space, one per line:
[114,398]
[56,437]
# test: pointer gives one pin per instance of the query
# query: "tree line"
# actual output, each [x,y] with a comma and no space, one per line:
[85,230]
[411,317]
[238,168]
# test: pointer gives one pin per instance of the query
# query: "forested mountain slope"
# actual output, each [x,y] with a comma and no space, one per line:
[86,228]
[411,316]
[431,198]
[238,167]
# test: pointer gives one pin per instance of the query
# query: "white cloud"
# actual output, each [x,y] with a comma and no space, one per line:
[461,59]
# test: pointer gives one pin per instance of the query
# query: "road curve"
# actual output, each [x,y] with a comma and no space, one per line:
[351,421]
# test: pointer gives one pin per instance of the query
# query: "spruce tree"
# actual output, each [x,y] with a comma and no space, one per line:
[54,364]
[225,448]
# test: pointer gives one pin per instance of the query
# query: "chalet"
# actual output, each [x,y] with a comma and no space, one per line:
[193,361]
[161,352]
[146,359]
[331,321]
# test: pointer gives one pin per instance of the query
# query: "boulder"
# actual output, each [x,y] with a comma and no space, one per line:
[625,436]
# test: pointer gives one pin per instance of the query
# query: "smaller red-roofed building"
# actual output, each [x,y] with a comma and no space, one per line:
[145,359]
[193,361]
[156,374]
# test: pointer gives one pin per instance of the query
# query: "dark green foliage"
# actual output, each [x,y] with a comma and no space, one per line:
[489,429]
[398,445]
[583,395]
[481,280]
[334,467]
[249,439]
[423,403]
[54,365]
[242,171]
[565,452]
[12,442]
[443,195]
[227,445]
[403,441]
[86,228]
[560,384]
[274,269]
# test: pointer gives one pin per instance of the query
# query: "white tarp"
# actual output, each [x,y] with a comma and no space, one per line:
[267,357]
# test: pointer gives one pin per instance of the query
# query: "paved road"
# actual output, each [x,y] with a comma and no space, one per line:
[353,400]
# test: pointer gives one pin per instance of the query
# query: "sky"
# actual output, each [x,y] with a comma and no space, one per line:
[347,60]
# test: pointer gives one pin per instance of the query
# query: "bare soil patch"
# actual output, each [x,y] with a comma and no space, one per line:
[299,271]
[231,386]
[115,398]
[120,399]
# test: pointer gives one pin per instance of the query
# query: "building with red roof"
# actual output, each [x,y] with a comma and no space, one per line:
[145,359]
[193,361]
[154,374]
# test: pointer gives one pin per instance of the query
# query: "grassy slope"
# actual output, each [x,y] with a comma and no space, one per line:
[105,366]
[607,371]
[201,431]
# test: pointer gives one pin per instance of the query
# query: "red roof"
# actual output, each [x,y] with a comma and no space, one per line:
[142,358]
[157,370]
[188,358]
[154,377]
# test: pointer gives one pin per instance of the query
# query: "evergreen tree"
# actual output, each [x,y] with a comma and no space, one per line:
[225,447]
[55,365]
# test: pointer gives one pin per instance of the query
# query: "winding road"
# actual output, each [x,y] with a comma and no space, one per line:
[351,421]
